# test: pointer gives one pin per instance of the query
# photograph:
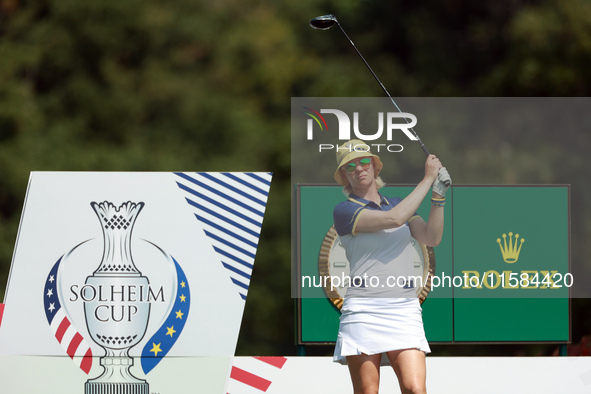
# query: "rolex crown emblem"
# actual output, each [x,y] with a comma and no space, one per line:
[510,252]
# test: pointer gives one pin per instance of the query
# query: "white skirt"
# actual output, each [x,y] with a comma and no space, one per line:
[378,325]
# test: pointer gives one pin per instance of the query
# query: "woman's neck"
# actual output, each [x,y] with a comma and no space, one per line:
[370,193]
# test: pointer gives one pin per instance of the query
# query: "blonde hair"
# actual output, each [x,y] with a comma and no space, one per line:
[379,183]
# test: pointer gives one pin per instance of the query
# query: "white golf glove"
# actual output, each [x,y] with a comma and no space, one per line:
[439,186]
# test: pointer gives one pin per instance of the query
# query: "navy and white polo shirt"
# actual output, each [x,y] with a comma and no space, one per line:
[380,256]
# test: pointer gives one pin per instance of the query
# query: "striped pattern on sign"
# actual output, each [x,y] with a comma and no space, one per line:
[253,375]
[230,207]
[65,332]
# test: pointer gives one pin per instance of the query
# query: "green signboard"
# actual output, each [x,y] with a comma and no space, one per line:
[501,271]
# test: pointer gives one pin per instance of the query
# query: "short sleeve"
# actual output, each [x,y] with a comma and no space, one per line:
[345,217]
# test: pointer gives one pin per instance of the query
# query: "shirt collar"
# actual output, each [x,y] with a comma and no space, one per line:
[363,201]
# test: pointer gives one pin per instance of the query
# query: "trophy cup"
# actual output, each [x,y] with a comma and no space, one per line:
[116,305]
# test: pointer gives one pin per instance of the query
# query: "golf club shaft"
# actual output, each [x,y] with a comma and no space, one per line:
[325,22]
[422,145]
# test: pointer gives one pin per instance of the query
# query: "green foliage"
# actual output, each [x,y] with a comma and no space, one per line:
[205,86]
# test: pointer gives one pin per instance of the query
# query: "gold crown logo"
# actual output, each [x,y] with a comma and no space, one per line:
[511,252]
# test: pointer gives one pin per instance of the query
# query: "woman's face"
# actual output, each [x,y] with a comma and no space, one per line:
[359,171]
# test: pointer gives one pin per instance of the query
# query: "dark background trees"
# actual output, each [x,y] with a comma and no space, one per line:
[205,86]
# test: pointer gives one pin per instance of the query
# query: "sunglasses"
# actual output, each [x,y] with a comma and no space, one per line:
[364,163]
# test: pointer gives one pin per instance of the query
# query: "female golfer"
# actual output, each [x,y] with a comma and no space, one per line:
[381,315]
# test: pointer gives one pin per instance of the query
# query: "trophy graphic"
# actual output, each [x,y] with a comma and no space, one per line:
[116,305]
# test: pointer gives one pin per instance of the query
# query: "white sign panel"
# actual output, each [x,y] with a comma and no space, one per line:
[458,375]
[115,270]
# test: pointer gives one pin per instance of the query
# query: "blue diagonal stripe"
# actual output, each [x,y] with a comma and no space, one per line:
[258,178]
[217,192]
[224,218]
[226,231]
[230,187]
[229,244]
[217,204]
[236,270]
[237,282]
[243,182]
[236,259]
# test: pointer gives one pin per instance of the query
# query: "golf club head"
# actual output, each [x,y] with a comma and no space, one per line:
[323,22]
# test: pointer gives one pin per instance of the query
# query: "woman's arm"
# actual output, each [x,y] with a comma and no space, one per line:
[370,220]
[430,232]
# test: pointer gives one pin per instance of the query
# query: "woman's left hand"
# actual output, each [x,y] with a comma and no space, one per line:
[442,182]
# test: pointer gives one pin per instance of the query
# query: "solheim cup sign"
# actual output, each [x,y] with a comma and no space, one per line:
[120,272]
[116,300]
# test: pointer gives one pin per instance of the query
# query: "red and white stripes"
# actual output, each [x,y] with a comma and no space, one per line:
[254,375]
[71,340]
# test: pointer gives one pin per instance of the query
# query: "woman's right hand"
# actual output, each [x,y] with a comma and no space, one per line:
[432,166]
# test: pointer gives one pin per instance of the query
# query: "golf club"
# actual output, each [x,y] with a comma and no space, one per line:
[325,22]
